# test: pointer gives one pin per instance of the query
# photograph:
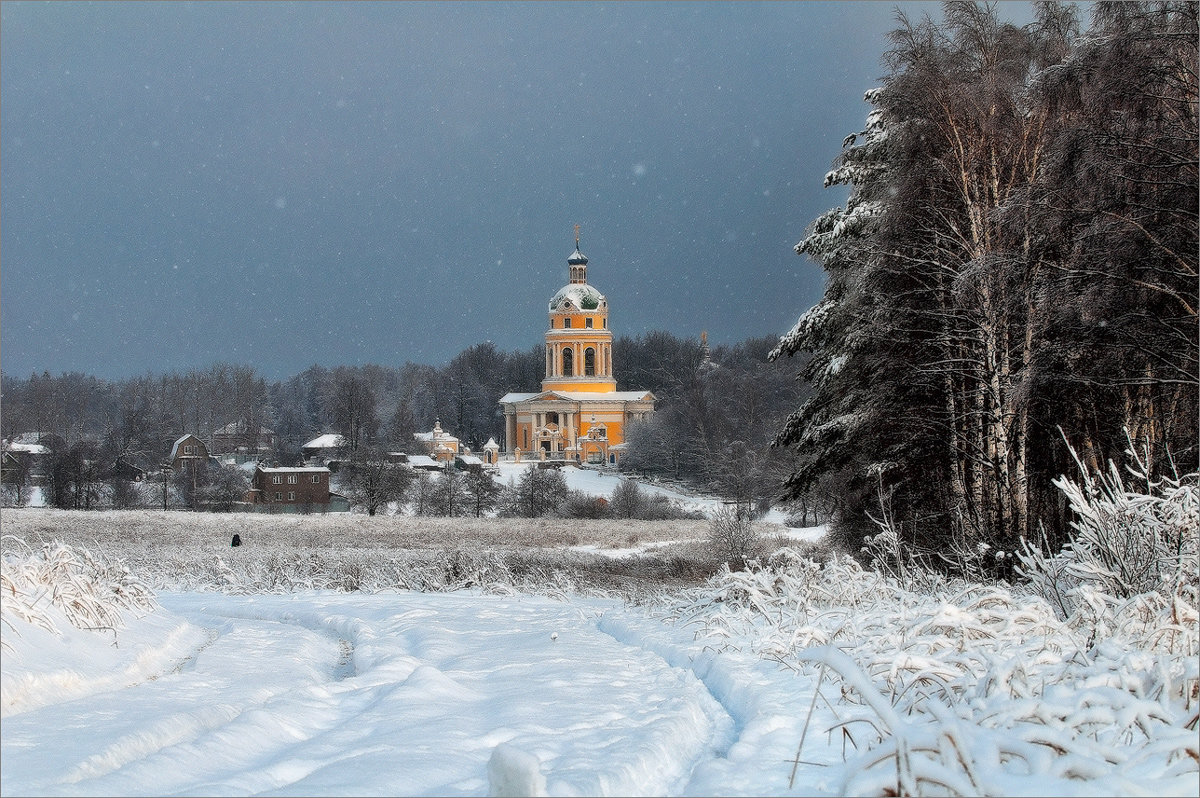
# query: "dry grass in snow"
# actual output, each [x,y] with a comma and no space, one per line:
[954,688]
[61,582]
[284,553]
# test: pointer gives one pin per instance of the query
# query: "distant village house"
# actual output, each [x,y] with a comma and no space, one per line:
[294,490]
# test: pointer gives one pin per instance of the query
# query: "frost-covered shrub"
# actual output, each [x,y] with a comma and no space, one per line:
[583,505]
[735,537]
[14,495]
[88,592]
[958,687]
[1132,563]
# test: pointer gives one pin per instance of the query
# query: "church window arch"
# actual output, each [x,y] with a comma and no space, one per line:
[568,364]
[589,362]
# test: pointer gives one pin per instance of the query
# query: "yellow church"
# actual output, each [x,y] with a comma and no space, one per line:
[579,415]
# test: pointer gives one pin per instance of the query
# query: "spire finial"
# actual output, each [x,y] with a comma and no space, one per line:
[576,235]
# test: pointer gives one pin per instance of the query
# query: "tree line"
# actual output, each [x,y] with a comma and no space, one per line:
[1015,268]
[709,401]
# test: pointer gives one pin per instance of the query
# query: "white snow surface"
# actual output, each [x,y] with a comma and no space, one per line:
[596,482]
[467,693]
[386,694]
[808,680]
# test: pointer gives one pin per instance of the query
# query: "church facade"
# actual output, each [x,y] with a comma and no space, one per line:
[579,415]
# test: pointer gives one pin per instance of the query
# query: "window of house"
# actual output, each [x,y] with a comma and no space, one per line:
[189,449]
[589,362]
[316,479]
[604,323]
[587,322]
[278,496]
[568,368]
[291,495]
[291,479]
[277,479]
[566,324]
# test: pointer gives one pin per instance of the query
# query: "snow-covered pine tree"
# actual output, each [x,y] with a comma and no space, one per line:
[834,430]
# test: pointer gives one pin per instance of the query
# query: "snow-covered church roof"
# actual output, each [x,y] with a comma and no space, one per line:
[577,296]
[584,397]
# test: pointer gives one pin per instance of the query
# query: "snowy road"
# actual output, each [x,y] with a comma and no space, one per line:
[400,694]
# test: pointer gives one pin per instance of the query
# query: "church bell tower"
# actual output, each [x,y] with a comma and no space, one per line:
[578,341]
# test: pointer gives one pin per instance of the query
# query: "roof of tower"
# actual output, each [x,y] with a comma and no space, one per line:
[577,258]
[577,296]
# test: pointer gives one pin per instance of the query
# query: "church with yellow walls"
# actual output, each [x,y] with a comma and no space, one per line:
[579,415]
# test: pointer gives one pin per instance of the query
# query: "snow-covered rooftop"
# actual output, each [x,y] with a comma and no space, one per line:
[581,396]
[330,440]
[28,448]
[423,461]
[581,296]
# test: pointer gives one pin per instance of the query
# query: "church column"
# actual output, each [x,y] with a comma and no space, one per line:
[510,431]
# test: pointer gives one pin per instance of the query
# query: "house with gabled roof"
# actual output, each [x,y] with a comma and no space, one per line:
[188,452]
[324,449]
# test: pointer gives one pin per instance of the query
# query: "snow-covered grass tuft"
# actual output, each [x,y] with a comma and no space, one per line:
[65,582]
[961,688]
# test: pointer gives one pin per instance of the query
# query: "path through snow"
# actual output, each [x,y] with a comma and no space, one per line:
[395,694]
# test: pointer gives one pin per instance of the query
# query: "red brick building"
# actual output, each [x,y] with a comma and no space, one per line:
[295,490]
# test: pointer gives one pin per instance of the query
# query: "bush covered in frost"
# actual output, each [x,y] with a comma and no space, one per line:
[960,687]
[1132,565]
[1086,673]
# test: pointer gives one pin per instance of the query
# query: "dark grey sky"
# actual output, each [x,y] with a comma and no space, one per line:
[286,184]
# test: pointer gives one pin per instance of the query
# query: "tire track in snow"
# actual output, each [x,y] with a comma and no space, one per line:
[182,727]
[732,721]
[178,735]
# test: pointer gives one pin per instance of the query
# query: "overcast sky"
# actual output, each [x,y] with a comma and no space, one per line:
[284,184]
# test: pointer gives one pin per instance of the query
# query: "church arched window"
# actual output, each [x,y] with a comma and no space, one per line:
[589,362]
[568,368]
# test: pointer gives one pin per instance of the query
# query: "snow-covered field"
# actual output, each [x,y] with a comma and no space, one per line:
[793,678]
